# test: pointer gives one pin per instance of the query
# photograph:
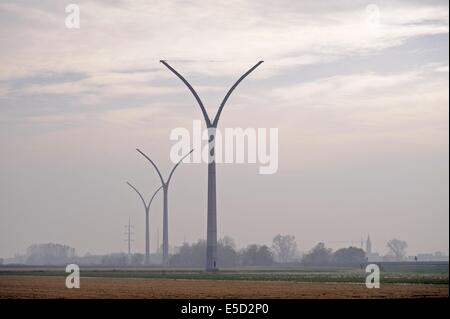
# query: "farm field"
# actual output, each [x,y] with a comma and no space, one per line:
[397,281]
[54,287]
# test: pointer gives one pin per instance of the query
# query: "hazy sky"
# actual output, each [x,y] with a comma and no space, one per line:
[361,105]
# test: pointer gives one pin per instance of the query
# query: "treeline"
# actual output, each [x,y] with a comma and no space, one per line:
[283,250]
[194,255]
[49,254]
[57,254]
[322,256]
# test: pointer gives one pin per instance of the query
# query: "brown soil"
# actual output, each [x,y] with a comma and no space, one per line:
[54,287]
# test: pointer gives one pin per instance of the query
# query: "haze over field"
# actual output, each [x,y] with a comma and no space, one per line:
[360,102]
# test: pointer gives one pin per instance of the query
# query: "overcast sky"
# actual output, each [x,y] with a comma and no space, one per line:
[360,101]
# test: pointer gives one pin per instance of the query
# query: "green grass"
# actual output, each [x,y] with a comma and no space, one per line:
[398,274]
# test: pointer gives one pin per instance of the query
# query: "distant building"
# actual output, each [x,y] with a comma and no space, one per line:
[437,256]
[371,256]
[368,245]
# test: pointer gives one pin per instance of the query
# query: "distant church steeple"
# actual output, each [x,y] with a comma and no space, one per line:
[368,245]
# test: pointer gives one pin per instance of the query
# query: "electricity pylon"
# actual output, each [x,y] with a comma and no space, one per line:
[165,188]
[129,233]
[211,238]
[147,230]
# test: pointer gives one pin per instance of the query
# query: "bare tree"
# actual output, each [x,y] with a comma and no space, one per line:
[49,254]
[285,247]
[349,256]
[397,248]
[211,235]
[165,188]
[227,241]
[319,255]
[147,230]
[256,255]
